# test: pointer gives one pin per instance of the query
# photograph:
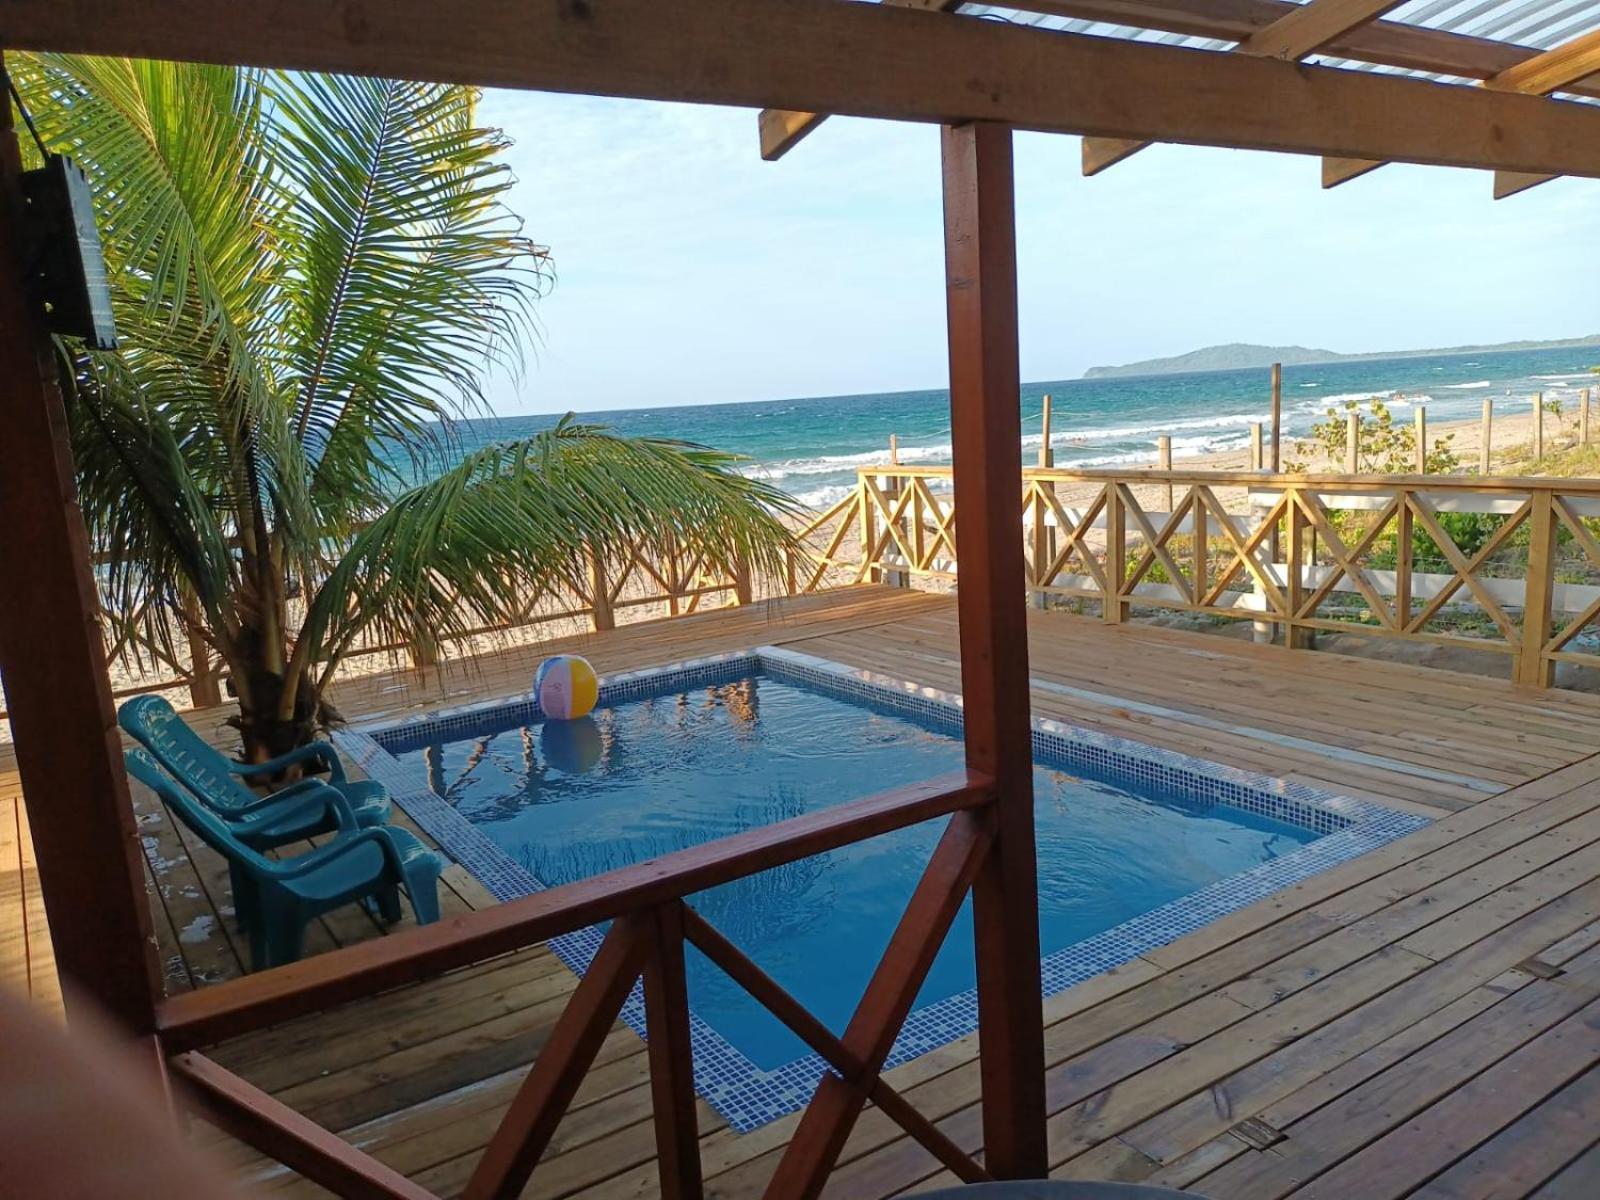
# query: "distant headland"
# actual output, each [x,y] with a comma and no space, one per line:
[1238,356]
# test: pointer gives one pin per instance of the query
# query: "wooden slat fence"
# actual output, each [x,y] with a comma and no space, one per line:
[1510,566]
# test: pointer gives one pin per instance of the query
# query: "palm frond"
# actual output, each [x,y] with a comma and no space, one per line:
[412,276]
[517,519]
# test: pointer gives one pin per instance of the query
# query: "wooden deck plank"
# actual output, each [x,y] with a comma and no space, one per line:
[1388,982]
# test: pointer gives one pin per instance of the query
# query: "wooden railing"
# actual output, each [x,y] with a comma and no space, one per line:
[651,924]
[676,584]
[1509,566]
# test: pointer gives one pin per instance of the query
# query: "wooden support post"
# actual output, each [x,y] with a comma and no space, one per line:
[666,1002]
[985,386]
[53,662]
[1486,435]
[1277,418]
[1255,446]
[1422,439]
[1583,417]
[1538,426]
[1352,443]
[1533,669]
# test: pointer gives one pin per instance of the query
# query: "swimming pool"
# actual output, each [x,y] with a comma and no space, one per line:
[1136,845]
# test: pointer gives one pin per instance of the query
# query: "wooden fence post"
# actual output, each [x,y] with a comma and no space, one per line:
[1044,534]
[985,390]
[601,615]
[1277,418]
[1486,435]
[892,487]
[1114,609]
[1352,443]
[1422,439]
[1296,636]
[1538,426]
[1583,417]
[869,534]
[1532,668]
[1255,446]
[205,691]
[1164,461]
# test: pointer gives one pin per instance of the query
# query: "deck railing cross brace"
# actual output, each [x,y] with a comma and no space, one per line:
[827,1121]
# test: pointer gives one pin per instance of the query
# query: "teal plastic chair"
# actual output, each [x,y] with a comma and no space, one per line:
[220,783]
[277,899]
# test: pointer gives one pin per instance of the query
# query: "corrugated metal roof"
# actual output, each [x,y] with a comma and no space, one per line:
[1534,24]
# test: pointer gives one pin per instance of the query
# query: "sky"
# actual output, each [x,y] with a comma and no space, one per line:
[690,271]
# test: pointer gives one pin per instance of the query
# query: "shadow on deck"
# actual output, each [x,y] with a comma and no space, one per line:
[1429,1011]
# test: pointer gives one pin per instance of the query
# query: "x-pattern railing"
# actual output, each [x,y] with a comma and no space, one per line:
[651,925]
[1282,550]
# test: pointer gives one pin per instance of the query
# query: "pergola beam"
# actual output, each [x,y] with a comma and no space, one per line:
[1556,69]
[1291,37]
[869,60]
[1386,43]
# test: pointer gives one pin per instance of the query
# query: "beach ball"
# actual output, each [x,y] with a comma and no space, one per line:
[572,747]
[566,687]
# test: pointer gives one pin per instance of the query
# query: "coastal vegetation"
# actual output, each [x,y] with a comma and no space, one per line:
[313,277]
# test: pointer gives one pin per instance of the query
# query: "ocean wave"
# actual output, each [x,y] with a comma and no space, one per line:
[1147,431]
[1465,387]
[824,497]
[1341,397]
[829,464]
[1560,378]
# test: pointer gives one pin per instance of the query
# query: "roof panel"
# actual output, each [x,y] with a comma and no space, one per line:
[1534,24]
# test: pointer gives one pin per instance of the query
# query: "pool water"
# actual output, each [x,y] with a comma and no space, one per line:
[647,777]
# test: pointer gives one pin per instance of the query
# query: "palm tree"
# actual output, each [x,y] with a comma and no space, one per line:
[312,276]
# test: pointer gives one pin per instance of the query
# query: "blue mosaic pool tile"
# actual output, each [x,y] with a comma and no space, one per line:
[747,1096]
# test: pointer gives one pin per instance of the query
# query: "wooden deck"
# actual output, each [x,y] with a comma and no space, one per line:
[1422,1021]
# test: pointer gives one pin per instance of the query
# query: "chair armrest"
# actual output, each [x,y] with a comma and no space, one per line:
[343,844]
[317,751]
[310,797]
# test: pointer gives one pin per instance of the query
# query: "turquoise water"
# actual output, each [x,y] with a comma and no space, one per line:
[645,778]
[811,447]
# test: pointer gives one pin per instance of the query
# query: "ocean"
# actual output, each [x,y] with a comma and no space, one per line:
[812,446]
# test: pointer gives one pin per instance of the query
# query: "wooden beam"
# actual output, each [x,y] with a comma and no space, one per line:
[52,660]
[1554,70]
[1388,43]
[986,431]
[870,60]
[781,129]
[1291,37]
